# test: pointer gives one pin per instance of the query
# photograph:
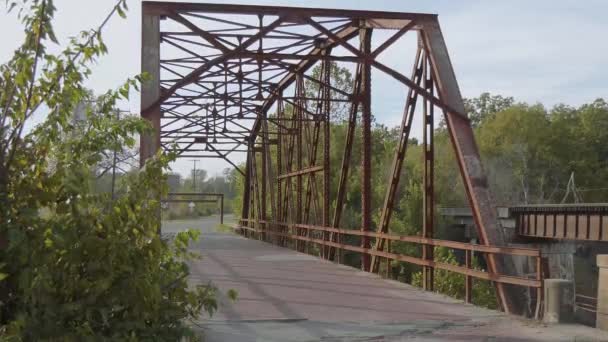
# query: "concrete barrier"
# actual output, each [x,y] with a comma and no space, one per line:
[559,301]
[602,292]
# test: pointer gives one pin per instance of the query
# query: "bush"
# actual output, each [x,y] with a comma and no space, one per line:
[76,264]
[453,284]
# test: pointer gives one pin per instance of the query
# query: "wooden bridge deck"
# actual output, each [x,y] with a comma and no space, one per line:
[288,296]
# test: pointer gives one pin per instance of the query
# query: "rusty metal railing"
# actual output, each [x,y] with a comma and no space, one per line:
[261,229]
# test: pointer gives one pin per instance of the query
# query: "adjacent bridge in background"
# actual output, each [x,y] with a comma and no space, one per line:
[576,221]
[580,221]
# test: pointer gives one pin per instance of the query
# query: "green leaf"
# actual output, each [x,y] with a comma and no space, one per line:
[232,295]
[121,12]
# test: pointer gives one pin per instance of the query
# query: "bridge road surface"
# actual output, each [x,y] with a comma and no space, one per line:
[289,296]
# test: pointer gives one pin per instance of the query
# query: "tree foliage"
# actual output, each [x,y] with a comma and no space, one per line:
[530,152]
[74,263]
[341,79]
[485,107]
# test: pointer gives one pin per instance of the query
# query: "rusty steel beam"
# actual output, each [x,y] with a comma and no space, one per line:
[264,181]
[346,155]
[398,159]
[301,172]
[325,118]
[467,155]
[257,200]
[150,90]
[301,93]
[269,170]
[164,8]
[428,206]
[279,204]
[393,38]
[314,138]
[365,38]
[246,187]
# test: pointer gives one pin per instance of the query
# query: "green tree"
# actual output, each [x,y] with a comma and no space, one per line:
[340,78]
[485,106]
[587,141]
[514,144]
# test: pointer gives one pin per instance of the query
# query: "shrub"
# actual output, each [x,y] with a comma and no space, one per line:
[453,284]
[76,264]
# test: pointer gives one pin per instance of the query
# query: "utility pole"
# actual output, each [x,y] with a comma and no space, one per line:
[115,156]
[194,175]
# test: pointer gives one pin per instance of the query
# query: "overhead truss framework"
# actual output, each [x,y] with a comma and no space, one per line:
[230,79]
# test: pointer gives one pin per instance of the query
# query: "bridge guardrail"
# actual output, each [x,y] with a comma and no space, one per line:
[303,233]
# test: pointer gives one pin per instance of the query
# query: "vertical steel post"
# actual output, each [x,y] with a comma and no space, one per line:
[270,173]
[150,89]
[255,190]
[222,209]
[389,271]
[252,194]
[428,181]
[263,180]
[279,217]
[326,116]
[246,191]
[299,117]
[468,285]
[365,35]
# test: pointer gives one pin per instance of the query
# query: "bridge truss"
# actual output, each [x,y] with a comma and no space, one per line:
[232,79]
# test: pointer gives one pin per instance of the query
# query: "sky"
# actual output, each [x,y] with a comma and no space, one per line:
[536,51]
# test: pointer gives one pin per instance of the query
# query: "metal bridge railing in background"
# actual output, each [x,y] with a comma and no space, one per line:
[197,197]
[580,221]
[585,303]
[298,233]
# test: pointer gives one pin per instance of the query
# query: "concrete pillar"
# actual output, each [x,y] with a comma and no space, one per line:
[150,89]
[602,292]
[559,301]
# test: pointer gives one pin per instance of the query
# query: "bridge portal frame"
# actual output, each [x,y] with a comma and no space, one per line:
[234,85]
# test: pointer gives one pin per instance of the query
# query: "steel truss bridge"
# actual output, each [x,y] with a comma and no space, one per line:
[233,79]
